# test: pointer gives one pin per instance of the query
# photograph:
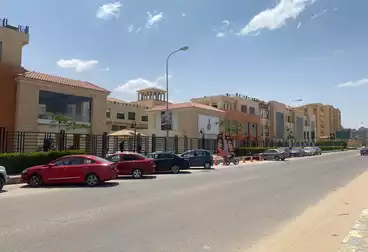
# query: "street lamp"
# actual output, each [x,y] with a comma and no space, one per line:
[134,126]
[184,48]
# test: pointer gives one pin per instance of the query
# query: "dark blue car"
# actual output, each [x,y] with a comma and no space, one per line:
[198,158]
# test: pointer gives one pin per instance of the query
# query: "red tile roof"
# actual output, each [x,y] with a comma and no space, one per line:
[62,81]
[186,105]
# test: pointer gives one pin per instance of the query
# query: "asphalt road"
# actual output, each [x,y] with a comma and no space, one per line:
[221,210]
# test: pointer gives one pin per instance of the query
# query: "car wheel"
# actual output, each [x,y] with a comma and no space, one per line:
[277,158]
[236,162]
[137,174]
[35,180]
[92,180]
[207,165]
[175,169]
[282,159]
[2,183]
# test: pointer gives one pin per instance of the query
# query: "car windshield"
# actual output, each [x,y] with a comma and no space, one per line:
[295,149]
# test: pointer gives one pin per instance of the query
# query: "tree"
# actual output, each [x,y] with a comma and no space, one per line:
[66,123]
[232,127]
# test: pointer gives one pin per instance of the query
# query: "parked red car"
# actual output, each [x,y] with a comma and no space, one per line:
[87,169]
[133,164]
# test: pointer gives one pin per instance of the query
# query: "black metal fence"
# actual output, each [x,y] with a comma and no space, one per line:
[20,141]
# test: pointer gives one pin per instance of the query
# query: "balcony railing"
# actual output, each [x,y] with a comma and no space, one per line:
[19,28]
[242,96]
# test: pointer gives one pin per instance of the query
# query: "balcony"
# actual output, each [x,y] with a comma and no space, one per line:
[19,28]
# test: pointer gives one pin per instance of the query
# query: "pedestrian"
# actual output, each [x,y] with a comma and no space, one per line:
[121,146]
[139,148]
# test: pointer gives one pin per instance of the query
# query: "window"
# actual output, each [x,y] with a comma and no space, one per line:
[120,115]
[108,114]
[113,158]
[252,110]
[117,128]
[131,115]
[199,153]
[1,49]
[165,155]
[244,109]
[145,118]
[77,108]
[70,161]
[129,157]
[214,105]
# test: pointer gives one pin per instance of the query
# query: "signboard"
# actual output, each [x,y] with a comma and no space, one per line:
[208,124]
[166,120]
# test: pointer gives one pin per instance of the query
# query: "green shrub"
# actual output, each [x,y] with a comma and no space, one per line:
[15,163]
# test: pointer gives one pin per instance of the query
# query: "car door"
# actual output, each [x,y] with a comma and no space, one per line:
[190,156]
[117,160]
[199,157]
[56,173]
[76,169]
[165,161]
[127,163]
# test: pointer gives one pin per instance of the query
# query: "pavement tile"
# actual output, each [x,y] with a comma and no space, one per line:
[357,239]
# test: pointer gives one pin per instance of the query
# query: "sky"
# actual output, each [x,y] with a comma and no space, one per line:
[283,50]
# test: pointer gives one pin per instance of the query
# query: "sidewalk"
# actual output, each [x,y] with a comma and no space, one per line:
[357,239]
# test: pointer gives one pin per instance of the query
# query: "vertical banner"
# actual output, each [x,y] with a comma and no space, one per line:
[166,120]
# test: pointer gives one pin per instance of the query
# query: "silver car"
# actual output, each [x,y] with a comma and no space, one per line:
[3,177]
[274,154]
[310,151]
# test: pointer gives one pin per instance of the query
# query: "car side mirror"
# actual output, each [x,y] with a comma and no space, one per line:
[51,165]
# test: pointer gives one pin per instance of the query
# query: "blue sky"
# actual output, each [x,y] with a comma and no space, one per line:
[281,50]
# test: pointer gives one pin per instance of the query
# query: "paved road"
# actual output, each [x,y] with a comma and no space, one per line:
[217,211]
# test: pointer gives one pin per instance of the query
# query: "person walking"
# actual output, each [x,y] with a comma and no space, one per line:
[121,146]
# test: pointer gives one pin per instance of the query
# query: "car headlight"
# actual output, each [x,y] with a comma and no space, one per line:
[24,171]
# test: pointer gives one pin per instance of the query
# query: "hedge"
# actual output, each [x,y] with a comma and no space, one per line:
[15,163]
[244,151]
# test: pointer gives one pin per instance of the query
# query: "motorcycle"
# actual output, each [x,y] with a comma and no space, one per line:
[232,159]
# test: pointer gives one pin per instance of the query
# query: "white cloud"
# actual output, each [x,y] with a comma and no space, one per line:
[130,28]
[276,17]
[107,69]
[299,25]
[77,64]
[131,86]
[109,10]
[226,22]
[138,30]
[220,34]
[183,14]
[154,19]
[354,83]
[319,14]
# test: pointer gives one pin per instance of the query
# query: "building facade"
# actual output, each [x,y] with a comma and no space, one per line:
[328,119]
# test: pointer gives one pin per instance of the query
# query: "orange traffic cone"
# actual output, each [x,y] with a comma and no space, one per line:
[251,159]
[243,160]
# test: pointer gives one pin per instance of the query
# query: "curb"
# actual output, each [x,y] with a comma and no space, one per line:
[357,239]
[15,179]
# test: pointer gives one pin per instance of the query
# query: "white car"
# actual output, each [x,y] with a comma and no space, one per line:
[3,177]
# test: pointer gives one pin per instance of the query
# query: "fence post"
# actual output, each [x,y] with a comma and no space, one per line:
[185,143]
[176,144]
[104,144]
[153,147]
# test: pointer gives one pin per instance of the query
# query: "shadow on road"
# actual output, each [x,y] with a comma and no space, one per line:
[103,185]
[131,178]
[3,191]
[169,173]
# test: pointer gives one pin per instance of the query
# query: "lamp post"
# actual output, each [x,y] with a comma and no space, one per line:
[290,136]
[168,121]
[202,132]
[134,126]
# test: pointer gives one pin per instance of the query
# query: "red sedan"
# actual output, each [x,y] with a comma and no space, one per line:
[133,164]
[87,169]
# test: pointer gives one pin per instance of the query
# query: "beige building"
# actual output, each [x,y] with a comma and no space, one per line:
[328,119]
[240,110]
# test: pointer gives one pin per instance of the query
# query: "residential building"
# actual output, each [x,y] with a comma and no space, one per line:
[264,113]
[12,40]
[241,111]
[189,121]
[328,119]
[279,121]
